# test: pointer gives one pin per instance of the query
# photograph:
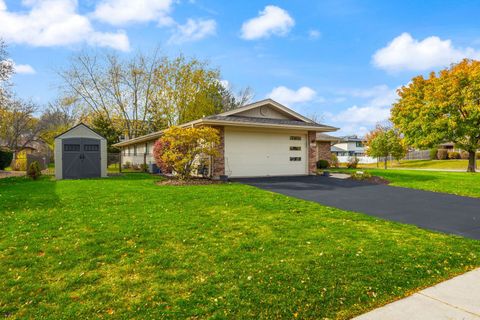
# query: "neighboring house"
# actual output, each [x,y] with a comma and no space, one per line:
[36,147]
[351,147]
[264,138]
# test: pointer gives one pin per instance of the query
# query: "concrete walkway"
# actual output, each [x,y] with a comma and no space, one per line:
[455,299]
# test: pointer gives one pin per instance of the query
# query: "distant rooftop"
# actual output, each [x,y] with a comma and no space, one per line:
[326,137]
[352,138]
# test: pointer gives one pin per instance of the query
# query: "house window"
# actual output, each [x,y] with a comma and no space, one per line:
[124,151]
[71,147]
[91,147]
[359,144]
[146,148]
[297,138]
[295,148]
[128,150]
[135,150]
[295,158]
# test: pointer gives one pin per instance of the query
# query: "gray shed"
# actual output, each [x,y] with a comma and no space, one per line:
[80,152]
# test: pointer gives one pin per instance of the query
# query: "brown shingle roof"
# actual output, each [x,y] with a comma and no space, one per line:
[243,119]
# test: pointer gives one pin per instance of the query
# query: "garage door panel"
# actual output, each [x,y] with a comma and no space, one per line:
[81,158]
[263,154]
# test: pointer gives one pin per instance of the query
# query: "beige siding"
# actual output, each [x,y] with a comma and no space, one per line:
[264,112]
[129,156]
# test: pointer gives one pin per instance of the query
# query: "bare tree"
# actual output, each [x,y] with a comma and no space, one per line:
[6,70]
[58,117]
[18,127]
[146,93]
[244,96]
[231,100]
[111,87]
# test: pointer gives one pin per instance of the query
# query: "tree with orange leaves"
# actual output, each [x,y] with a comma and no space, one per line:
[444,107]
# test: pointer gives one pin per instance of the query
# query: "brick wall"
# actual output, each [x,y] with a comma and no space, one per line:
[312,152]
[218,165]
[324,151]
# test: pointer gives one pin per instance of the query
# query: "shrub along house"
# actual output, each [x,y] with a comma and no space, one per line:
[264,138]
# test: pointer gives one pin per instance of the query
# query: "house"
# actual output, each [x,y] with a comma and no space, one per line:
[351,147]
[264,138]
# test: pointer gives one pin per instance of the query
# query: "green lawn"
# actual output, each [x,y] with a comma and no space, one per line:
[126,248]
[423,164]
[460,183]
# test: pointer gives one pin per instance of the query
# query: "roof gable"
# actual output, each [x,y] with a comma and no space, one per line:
[267,108]
[79,127]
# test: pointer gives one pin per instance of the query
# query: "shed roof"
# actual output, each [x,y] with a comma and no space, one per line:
[80,125]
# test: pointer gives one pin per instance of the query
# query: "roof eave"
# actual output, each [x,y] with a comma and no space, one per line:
[265,102]
[260,125]
[205,121]
[145,138]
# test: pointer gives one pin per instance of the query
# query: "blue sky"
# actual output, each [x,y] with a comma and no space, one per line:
[338,60]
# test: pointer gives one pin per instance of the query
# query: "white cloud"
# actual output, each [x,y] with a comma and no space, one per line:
[360,119]
[193,30]
[120,12]
[381,95]
[272,20]
[226,84]
[23,69]
[406,53]
[54,23]
[314,34]
[368,115]
[290,97]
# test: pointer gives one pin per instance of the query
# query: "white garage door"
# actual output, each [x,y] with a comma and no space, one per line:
[250,153]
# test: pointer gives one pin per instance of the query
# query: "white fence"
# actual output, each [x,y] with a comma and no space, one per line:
[418,155]
[364,159]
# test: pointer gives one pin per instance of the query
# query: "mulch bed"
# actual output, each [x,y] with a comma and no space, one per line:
[377,180]
[7,174]
[191,182]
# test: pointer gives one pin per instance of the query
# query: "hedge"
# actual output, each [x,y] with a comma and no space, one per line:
[5,159]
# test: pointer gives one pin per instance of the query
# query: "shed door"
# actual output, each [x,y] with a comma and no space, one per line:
[264,153]
[81,158]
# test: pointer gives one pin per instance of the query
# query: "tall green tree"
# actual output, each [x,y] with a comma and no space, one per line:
[384,142]
[441,108]
[185,90]
[106,128]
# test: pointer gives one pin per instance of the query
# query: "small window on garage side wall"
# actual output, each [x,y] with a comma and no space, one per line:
[296,138]
[135,150]
[295,148]
[146,148]
[71,147]
[295,158]
[91,147]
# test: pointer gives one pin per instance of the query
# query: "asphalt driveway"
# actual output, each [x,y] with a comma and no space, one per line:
[430,210]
